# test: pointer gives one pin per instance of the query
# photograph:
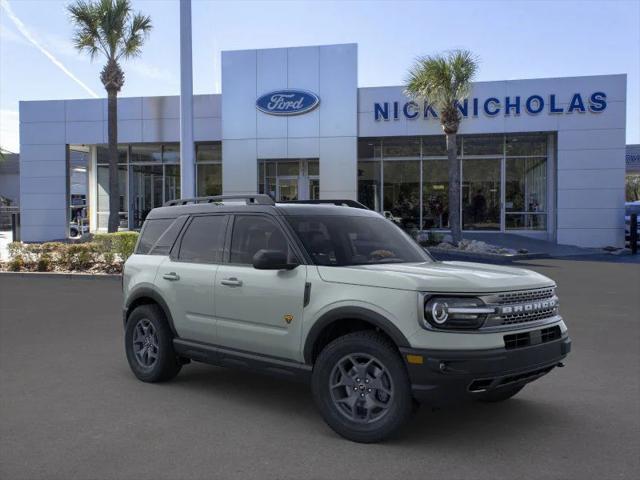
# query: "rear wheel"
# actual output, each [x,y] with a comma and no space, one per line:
[498,395]
[149,345]
[362,388]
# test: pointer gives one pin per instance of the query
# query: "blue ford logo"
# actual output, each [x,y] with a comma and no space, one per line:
[287,102]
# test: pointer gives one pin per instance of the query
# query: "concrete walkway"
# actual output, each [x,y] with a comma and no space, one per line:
[532,245]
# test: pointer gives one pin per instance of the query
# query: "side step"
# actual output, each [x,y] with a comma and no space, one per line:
[226,357]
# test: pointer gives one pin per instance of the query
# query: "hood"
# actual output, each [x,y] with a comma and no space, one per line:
[449,277]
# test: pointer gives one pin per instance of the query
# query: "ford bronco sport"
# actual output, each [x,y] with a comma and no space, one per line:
[337,296]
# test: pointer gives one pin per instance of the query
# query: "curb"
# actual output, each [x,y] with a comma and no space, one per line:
[65,275]
[447,254]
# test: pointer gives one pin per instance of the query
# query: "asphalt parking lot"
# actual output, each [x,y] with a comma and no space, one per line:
[71,409]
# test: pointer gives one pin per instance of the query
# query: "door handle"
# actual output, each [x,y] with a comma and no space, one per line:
[171,276]
[231,282]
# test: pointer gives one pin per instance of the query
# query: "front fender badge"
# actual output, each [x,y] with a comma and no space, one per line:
[288,318]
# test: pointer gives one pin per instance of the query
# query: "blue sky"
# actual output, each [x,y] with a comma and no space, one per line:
[513,40]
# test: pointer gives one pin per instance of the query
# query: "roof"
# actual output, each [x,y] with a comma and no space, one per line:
[285,209]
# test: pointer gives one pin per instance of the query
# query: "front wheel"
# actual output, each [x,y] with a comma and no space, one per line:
[149,345]
[362,388]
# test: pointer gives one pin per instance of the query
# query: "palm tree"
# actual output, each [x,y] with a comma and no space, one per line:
[112,29]
[445,81]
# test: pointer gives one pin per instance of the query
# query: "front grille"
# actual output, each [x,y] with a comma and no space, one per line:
[520,340]
[525,296]
[507,298]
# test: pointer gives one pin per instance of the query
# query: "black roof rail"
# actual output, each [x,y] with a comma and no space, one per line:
[258,199]
[339,203]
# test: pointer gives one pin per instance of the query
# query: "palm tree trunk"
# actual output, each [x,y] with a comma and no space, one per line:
[454,188]
[114,187]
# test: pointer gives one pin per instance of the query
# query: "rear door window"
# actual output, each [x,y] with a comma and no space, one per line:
[203,240]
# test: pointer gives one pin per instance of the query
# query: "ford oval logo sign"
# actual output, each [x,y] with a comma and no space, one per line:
[287,102]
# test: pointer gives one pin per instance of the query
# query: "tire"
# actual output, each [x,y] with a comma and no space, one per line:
[149,345]
[368,409]
[499,394]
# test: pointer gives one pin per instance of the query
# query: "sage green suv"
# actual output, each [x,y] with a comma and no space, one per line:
[336,296]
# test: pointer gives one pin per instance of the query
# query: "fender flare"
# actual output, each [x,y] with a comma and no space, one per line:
[356,313]
[147,292]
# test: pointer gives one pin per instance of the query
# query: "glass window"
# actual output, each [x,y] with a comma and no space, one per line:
[103,195]
[209,179]
[483,145]
[148,152]
[313,167]
[343,240]
[369,148]
[168,238]
[524,144]
[369,186]
[525,221]
[171,153]
[402,192]
[146,190]
[401,147]
[203,241]
[435,194]
[267,172]
[286,169]
[435,146]
[171,182]
[103,154]
[151,233]
[481,194]
[526,193]
[252,233]
[209,152]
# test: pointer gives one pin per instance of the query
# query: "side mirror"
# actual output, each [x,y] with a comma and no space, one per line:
[272,260]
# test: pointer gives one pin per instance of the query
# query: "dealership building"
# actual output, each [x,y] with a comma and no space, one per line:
[543,158]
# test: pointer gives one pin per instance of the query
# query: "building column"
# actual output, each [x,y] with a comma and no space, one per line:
[187,148]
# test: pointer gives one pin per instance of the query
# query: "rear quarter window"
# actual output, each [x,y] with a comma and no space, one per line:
[151,232]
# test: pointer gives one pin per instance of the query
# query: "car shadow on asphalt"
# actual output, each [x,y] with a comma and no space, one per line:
[470,424]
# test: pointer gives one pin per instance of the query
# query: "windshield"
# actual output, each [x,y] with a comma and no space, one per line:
[350,240]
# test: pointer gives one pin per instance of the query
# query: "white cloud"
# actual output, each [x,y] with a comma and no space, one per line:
[22,28]
[9,130]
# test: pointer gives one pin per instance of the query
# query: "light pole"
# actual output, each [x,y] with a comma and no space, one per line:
[187,147]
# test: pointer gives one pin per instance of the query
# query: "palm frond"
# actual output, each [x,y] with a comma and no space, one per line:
[443,79]
[109,27]
[139,28]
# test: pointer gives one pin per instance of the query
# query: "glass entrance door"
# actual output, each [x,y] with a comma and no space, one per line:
[287,180]
[481,194]
[287,189]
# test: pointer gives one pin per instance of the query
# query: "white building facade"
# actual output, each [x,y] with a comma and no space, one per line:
[541,157]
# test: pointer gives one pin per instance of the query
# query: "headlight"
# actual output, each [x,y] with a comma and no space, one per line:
[455,312]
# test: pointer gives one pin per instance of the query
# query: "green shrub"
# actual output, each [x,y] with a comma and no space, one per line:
[16,263]
[44,263]
[78,256]
[119,243]
[15,249]
[108,257]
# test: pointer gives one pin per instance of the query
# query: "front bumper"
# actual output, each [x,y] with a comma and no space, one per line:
[451,376]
